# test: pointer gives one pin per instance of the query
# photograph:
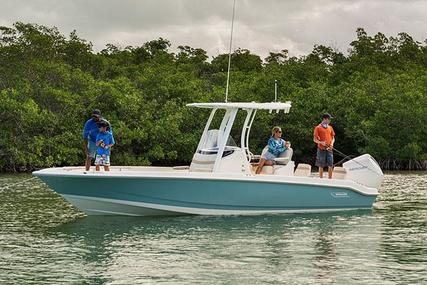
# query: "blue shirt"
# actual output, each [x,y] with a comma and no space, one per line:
[276,147]
[91,130]
[107,138]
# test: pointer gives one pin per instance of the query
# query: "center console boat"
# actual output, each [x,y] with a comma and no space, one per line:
[220,179]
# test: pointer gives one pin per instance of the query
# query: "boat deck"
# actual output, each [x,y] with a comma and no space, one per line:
[139,169]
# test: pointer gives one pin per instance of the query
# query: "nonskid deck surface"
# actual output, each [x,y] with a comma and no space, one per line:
[120,169]
[139,169]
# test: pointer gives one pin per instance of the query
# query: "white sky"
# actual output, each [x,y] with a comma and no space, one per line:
[261,25]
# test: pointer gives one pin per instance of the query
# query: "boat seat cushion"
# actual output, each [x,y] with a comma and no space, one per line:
[270,170]
[339,173]
[303,170]
[267,169]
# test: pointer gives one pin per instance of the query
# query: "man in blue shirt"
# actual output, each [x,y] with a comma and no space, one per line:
[90,132]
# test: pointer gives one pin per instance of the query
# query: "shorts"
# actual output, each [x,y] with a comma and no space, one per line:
[102,159]
[324,158]
[91,149]
[269,156]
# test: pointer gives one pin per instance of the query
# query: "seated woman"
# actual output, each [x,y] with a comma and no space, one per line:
[276,147]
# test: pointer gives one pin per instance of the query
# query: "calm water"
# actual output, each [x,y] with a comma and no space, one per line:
[44,240]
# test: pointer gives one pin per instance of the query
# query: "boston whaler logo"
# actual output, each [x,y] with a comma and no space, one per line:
[339,194]
[358,168]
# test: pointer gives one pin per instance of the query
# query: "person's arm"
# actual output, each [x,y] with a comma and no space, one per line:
[109,145]
[111,142]
[85,147]
[331,145]
[281,148]
[85,138]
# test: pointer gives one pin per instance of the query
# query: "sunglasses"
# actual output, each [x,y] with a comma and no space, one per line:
[279,132]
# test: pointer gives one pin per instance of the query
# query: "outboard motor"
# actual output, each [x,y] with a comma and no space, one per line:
[364,170]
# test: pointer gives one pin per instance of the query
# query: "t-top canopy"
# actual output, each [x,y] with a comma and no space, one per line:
[277,106]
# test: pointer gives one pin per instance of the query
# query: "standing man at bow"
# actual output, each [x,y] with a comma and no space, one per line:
[324,136]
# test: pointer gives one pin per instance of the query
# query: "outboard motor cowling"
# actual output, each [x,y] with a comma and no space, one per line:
[364,170]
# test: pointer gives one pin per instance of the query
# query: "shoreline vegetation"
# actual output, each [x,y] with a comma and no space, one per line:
[50,83]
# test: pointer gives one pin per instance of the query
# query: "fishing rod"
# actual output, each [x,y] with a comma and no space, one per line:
[341,153]
[345,158]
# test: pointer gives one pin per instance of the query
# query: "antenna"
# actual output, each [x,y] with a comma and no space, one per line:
[275,90]
[229,53]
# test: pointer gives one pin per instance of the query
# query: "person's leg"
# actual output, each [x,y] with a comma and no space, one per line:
[98,161]
[320,161]
[330,162]
[107,163]
[262,163]
[91,151]
[330,171]
[88,162]
[260,166]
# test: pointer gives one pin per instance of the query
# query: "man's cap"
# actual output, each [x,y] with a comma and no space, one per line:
[327,115]
[96,112]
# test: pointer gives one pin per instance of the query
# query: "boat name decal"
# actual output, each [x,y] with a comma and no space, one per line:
[358,168]
[339,194]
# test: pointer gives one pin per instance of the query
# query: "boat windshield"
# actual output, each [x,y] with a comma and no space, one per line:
[211,141]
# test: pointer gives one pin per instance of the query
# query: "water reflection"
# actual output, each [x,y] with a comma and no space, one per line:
[269,244]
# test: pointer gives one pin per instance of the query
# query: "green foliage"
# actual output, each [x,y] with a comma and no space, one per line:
[49,84]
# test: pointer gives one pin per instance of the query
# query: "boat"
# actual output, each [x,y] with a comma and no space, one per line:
[220,180]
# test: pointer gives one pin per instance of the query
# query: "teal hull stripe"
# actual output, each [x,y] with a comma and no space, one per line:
[211,194]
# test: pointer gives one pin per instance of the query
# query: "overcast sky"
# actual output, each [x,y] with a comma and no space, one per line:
[260,25]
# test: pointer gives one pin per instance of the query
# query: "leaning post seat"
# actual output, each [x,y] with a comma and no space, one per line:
[283,158]
[267,169]
[303,170]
